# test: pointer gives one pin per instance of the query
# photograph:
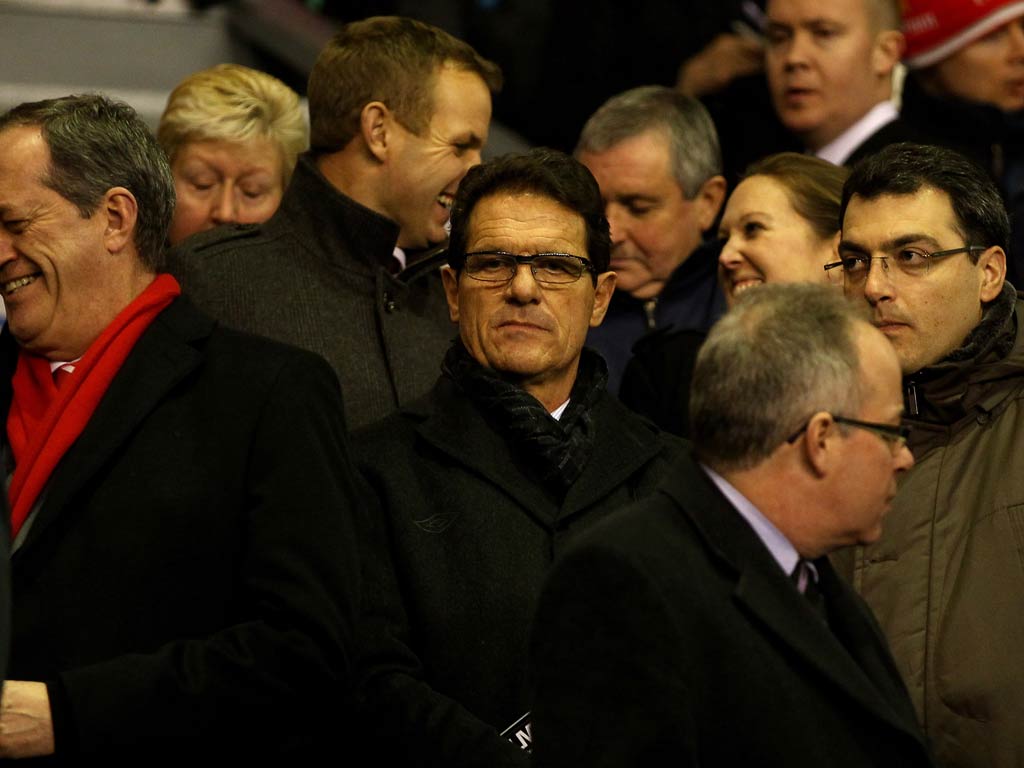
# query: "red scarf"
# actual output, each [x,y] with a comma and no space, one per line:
[44,422]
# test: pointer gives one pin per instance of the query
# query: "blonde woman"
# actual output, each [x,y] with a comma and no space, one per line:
[232,135]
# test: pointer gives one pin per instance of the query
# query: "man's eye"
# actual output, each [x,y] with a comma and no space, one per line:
[636,209]
[825,33]
[855,263]
[254,194]
[777,35]
[490,263]
[555,265]
[15,226]
[911,257]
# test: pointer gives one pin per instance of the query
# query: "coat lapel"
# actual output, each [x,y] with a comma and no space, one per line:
[766,594]
[160,359]
[446,426]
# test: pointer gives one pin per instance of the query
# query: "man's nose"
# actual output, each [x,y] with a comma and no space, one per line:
[225,206]
[878,285]
[523,287]
[904,458]
[616,223]
[7,252]
[796,51]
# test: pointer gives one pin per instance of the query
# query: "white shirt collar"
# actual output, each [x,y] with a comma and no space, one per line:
[557,413]
[844,145]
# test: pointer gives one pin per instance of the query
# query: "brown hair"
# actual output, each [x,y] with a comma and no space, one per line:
[814,187]
[389,59]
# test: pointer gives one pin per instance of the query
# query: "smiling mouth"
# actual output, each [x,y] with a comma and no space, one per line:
[13,286]
[740,286]
[446,201]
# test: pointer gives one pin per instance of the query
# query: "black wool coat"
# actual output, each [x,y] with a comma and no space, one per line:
[313,275]
[669,635]
[464,537]
[186,583]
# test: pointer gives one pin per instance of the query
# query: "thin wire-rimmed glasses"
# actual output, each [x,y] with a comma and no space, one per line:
[909,261]
[895,435]
[550,268]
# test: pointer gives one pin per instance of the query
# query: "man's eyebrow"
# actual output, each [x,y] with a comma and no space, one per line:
[888,245]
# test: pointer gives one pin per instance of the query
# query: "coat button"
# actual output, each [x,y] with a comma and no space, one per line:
[389,304]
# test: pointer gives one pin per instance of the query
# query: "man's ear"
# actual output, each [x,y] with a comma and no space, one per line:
[710,197]
[375,121]
[120,212]
[888,50]
[602,296]
[450,280]
[992,264]
[818,442]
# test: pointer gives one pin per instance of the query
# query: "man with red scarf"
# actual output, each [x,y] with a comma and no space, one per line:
[179,493]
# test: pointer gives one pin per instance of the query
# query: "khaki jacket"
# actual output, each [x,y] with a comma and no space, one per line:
[946,580]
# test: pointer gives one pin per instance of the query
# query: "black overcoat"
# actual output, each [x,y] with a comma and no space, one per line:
[468,534]
[670,636]
[184,586]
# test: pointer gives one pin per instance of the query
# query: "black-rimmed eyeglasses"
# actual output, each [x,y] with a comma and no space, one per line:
[550,268]
[895,435]
[913,262]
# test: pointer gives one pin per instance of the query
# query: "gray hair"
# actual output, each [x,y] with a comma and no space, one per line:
[693,142]
[97,143]
[781,354]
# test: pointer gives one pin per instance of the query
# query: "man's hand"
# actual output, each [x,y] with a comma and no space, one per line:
[724,59]
[26,727]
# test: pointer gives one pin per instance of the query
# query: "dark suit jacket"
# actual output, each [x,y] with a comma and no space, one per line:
[891,133]
[468,535]
[313,276]
[668,635]
[183,588]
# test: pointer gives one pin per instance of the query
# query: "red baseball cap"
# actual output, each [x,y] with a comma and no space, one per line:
[936,29]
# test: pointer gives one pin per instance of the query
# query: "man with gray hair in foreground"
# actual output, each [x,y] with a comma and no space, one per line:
[704,625]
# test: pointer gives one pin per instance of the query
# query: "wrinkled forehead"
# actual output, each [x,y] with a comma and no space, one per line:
[525,223]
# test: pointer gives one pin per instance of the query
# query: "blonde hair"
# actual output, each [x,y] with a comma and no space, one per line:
[230,102]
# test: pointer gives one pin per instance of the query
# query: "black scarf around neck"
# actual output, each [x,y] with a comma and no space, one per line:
[557,449]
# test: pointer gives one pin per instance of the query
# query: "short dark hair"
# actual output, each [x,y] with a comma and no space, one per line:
[97,143]
[389,59]
[904,169]
[781,354]
[544,172]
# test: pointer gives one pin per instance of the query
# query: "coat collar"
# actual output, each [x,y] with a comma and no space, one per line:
[623,444]
[852,655]
[164,354]
[314,211]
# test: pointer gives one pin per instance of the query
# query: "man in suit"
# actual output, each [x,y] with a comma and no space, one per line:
[399,111]
[479,484]
[830,72]
[180,494]
[675,633]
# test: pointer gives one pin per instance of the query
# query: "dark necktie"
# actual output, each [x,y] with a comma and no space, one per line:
[812,593]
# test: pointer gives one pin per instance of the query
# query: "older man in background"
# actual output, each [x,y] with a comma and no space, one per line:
[655,155]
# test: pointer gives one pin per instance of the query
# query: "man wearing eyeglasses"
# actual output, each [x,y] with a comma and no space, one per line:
[704,625]
[923,245]
[481,484]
